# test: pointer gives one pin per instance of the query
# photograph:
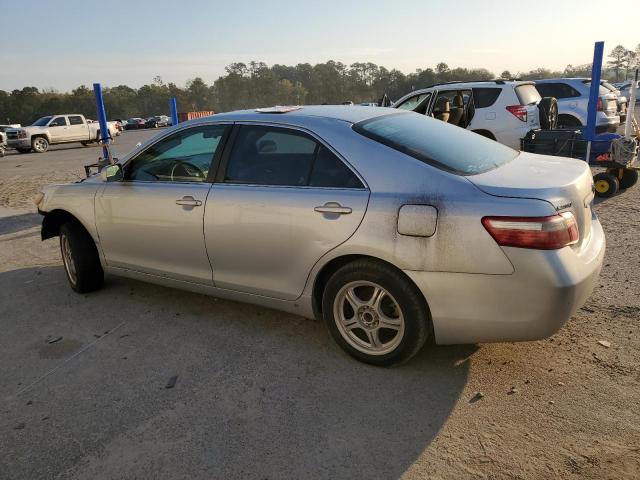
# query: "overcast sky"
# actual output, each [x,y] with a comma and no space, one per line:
[65,43]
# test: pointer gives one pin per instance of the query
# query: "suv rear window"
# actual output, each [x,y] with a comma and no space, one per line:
[437,143]
[527,94]
[485,97]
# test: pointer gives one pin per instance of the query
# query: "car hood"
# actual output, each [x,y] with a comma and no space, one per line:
[565,183]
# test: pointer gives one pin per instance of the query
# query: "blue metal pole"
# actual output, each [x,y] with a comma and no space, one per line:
[102,119]
[173,108]
[594,91]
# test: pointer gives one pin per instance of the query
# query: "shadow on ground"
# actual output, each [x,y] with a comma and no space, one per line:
[17,223]
[259,394]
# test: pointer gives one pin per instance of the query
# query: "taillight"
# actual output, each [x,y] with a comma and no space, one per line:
[599,104]
[542,233]
[519,111]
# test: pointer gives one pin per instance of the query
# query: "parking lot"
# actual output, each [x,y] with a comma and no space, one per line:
[263,394]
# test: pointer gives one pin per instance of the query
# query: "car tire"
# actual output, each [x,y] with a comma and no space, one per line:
[606,184]
[391,322]
[80,258]
[568,121]
[39,144]
[548,109]
[629,178]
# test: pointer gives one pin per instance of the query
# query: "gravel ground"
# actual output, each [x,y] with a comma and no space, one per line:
[262,394]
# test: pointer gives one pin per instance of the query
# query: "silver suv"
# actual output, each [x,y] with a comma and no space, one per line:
[573,100]
[501,110]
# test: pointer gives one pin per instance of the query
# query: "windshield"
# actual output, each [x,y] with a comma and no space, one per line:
[41,122]
[437,143]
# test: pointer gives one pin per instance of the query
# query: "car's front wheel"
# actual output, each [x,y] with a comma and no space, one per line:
[80,258]
[40,144]
[375,313]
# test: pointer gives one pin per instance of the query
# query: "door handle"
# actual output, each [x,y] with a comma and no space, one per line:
[333,207]
[188,201]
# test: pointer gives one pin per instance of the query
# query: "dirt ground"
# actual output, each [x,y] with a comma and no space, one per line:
[262,394]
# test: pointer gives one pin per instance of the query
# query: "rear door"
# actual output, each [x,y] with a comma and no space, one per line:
[529,97]
[281,200]
[77,128]
[152,221]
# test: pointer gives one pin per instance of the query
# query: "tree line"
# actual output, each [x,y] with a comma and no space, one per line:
[254,84]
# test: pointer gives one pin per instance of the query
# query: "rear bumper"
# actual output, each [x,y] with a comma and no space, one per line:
[534,302]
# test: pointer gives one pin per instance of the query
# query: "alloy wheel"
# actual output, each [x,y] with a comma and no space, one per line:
[368,317]
[67,259]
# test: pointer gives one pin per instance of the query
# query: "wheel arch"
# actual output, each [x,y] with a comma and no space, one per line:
[54,219]
[335,264]
[569,116]
[485,133]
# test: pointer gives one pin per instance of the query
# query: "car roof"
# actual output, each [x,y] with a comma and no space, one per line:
[345,113]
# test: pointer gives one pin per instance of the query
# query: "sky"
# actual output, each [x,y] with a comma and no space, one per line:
[62,44]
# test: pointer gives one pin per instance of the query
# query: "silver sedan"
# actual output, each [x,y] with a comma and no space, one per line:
[389,225]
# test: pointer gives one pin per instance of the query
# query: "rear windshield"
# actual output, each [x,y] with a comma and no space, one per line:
[527,94]
[437,143]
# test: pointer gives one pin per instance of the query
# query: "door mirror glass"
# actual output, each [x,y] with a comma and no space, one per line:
[112,173]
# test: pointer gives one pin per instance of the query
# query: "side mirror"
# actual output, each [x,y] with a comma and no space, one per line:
[112,173]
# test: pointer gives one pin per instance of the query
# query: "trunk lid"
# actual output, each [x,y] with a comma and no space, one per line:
[566,183]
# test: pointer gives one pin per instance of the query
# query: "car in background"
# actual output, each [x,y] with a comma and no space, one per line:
[573,101]
[620,98]
[625,89]
[389,225]
[3,137]
[158,121]
[502,110]
[57,129]
[135,123]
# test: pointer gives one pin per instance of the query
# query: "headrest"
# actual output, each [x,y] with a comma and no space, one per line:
[442,104]
[458,101]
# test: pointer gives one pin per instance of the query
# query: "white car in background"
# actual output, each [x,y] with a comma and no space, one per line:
[502,110]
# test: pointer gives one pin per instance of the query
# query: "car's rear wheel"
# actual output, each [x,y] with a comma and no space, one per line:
[548,109]
[80,258]
[606,184]
[40,144]
[375,313]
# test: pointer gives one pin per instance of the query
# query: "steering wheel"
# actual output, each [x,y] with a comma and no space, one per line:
[190,169]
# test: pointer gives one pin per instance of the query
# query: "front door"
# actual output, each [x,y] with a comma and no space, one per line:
[281,200]
[58,129]
[152,221]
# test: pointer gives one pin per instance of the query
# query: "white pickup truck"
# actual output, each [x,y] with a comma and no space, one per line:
[54,129]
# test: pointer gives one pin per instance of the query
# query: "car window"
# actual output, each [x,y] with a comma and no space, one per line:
[264,155]
[527,94]
[75,120]
[185,156]
[58,122]
[330,171]
[437,143]
[412,102]
[557,90]
[485,97]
